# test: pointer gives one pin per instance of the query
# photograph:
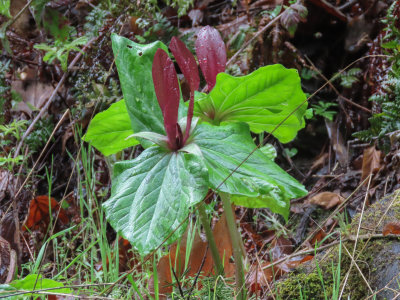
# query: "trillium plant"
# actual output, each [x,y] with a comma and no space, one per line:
[192,147]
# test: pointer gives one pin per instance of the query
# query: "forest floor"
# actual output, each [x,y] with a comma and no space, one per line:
[57,71]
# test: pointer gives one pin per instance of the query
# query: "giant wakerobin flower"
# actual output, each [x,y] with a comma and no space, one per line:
[211,53]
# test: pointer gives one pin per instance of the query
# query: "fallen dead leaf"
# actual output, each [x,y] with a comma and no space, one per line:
[371,162]
[391,228]
[252,235]
[199,252]
[39,213]
[34,94]
[318,237]
[280,247]
[258,278]
[293,262]
[327,200]
[299,207]
[337,142]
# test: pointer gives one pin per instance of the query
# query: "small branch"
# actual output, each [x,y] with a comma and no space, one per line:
[237,252]
[210,238]
[179,284]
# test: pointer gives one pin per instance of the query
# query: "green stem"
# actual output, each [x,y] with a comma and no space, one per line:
[210,238]
[237,251]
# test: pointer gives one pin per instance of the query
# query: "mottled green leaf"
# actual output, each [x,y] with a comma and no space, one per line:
[258,182]
[151,196]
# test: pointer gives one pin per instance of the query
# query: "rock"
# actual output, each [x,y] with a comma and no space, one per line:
[378,259]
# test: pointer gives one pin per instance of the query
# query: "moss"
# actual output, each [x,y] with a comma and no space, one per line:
[307,285]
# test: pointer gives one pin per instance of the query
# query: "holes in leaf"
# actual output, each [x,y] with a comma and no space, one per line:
[140,53]
[129,46]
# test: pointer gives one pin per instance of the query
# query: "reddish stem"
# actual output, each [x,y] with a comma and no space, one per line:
[189,117]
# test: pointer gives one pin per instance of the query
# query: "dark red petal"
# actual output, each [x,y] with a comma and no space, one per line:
[186,62]
[166,87]
[188,66]
[211,53]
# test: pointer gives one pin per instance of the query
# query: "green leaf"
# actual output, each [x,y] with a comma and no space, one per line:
[258,182]
[36,281]
[151,196]
[109,129]
[134,63]
[262,99]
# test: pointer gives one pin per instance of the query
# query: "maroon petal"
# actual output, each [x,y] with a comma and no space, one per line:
[166,87]
[188,66]
[186,62]
[211,53]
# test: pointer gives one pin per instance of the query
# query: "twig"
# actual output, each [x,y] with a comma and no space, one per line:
[338,208]
[15,213]
[358,268]
[179,284]
[358,233]
[384,288]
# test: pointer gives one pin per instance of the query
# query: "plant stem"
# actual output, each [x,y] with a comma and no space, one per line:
[210,239]
[237,251]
